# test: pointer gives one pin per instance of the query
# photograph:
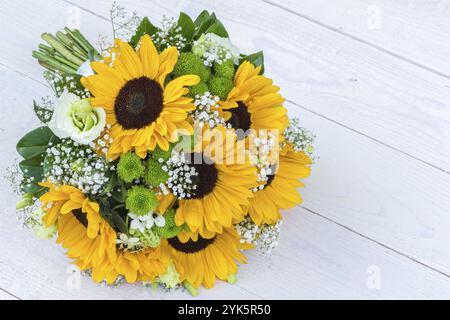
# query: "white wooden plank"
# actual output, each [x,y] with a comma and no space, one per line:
[378,192]
[28,21]
[316,258]
[415,30]
[360,87]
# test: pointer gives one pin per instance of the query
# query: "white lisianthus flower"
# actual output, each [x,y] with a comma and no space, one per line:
[76,118]
[214,48]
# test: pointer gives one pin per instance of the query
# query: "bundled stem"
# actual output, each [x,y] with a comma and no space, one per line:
[65,52]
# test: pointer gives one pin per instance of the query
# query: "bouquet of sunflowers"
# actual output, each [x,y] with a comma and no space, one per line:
[162,156]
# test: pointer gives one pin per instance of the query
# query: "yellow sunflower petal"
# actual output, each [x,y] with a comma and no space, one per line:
[149,57]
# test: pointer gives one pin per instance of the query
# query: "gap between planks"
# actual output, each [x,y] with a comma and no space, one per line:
[377,242]
[367,136]
[9,295]
[355,38]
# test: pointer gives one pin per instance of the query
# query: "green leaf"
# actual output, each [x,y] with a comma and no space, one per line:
[202,17]
[43,114]
[256,58]
[34,142]
[146,27]
[203,26]
[112,216]
[33,167]
[208,23]
[112,183]
[34,189]
[119,222]
[118,193]
[187,26]
[218,28]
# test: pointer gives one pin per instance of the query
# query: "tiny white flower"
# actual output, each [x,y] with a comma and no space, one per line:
[147,221]
[159,221]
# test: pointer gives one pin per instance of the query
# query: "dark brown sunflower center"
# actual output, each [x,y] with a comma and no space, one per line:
[207,174]
[240,117]
[190,246]
[139,103]
[81,217]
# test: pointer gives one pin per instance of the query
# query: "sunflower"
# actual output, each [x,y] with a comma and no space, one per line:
[142,110]
[280,190]
[91,241]
[223,184]
[201,261]
[254,102]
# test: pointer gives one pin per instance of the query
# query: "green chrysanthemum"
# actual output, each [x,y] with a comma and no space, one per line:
[148,238]
[189,63]
[170,229]
[130,167]
[198,89]
[224,70]
[154,174]
[220,87]
[141,200]
[159,153]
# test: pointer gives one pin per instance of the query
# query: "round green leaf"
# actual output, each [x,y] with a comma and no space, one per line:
[34,142]
[33,167]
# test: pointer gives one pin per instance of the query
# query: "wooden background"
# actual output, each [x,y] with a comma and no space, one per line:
[370,77]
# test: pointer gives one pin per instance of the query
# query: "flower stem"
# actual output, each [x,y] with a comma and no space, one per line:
[80,39]
[46,60]
[58,46]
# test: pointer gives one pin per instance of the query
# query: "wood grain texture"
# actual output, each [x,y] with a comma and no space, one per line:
[379,199]
[412,30]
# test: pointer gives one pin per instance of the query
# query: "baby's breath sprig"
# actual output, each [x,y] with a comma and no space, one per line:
[264,237]
[123,24]
[103,44]
[170,34]
[14,176]
[44,109]
[213,50]
[207,111]
[299,138]
[181,175]
[264,146]
[60,82]
[69,163]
